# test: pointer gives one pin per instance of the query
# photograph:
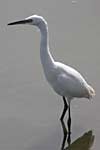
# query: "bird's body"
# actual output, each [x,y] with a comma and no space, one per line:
[65,80]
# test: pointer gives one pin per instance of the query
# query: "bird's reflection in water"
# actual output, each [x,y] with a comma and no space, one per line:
[84,142]
[66,135]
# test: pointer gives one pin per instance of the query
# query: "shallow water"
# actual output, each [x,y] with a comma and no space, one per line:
[29,109]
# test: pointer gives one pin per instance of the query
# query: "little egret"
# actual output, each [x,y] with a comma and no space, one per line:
[65,81]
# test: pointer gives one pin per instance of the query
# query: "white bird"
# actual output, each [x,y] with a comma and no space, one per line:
[65,80]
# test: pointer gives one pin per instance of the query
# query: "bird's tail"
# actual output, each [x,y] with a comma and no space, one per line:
[91,92]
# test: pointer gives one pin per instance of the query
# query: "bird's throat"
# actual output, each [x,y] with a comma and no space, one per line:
[45,55]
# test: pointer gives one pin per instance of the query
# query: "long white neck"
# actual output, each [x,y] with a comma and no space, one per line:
[46,58]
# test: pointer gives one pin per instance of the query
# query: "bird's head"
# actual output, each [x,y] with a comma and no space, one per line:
[31,20]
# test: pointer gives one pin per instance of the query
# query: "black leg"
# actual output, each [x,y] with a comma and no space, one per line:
[69,126]
[65,108]
[69,120]
[64,134]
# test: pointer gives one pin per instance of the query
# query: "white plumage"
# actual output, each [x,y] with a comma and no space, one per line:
[65,80]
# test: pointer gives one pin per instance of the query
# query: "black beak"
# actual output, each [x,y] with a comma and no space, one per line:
[26,21]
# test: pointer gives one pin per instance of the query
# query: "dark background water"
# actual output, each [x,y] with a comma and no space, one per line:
[29,109]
